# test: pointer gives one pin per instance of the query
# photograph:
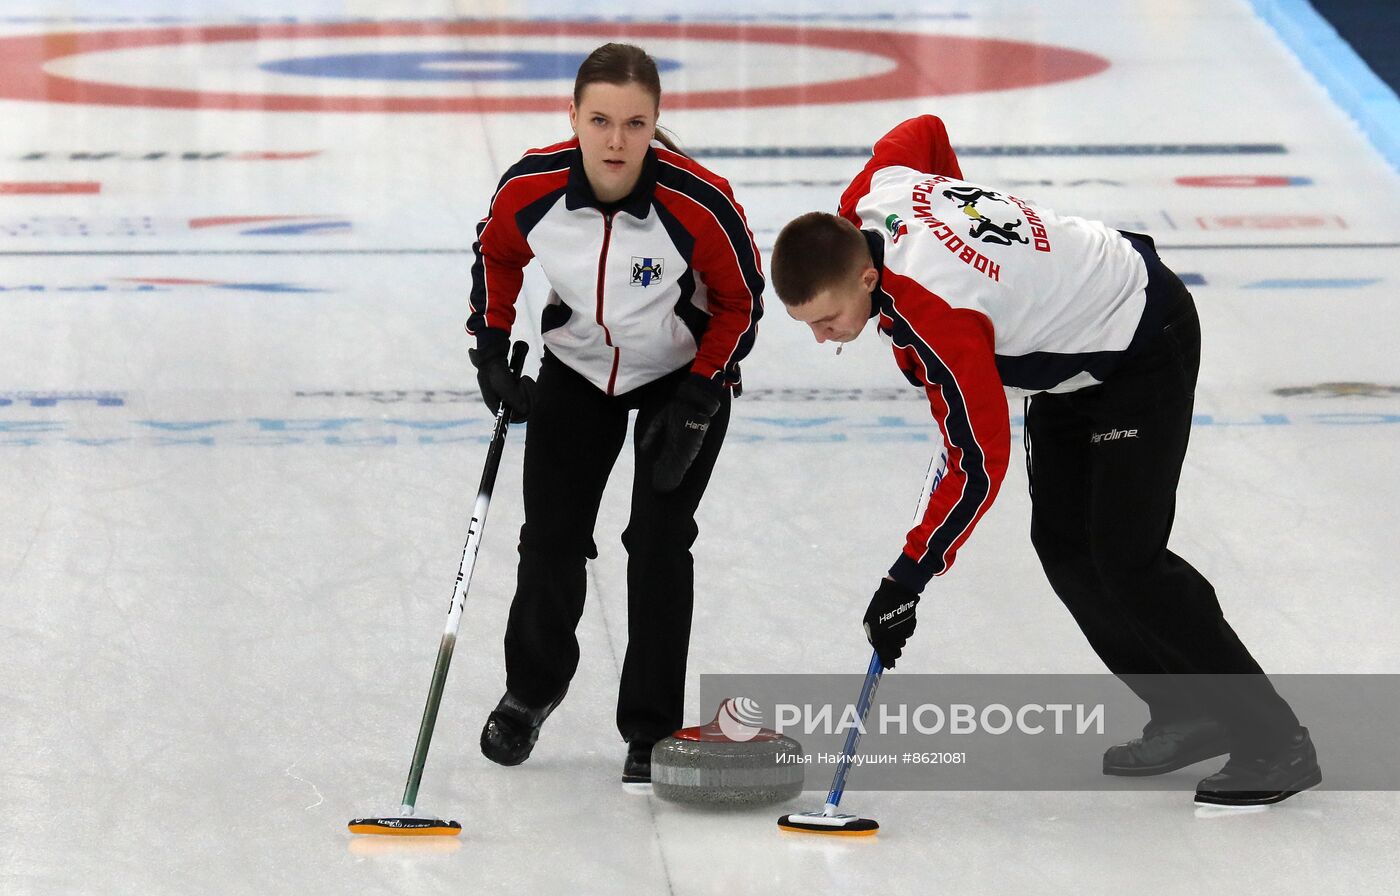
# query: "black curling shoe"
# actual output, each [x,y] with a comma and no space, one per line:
[637,767]
[1263,780]
[1167,747]
[512,729]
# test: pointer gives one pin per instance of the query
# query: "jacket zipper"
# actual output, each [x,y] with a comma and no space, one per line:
[602,268]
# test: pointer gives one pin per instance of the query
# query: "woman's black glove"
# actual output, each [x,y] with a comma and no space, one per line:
[678,430]
[498,383]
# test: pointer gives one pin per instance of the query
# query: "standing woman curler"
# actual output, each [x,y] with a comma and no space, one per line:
[655,295]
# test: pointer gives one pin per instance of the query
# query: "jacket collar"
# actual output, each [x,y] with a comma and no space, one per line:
[579,193]
[877,254]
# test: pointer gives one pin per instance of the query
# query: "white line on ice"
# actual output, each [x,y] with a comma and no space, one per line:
[319,798]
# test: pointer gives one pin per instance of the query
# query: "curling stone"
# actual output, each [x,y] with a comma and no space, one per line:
[729,762]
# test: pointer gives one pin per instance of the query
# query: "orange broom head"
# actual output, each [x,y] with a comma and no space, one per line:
[839,825]
[406,827]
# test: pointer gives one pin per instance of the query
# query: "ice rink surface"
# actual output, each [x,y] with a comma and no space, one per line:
[241,438]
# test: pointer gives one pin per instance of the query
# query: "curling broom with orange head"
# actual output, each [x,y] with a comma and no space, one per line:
[406,823]
[829,820]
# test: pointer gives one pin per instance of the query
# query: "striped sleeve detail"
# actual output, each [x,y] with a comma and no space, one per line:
[949,351]
[500,250]
[725,257]
[918,143]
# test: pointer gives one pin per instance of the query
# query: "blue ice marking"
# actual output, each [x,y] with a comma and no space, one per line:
[1314,283]
[465,65]
[298,228]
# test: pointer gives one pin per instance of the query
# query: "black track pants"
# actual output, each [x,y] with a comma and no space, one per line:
[574,436]
[1104,464]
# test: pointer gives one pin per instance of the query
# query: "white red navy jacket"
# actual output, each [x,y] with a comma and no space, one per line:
[981,292]
[666,277]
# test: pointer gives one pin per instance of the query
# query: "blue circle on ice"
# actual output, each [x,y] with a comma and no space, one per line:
[465,65]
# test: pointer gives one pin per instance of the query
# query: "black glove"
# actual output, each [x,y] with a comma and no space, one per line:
[678,430]
[889,620]
[498,383]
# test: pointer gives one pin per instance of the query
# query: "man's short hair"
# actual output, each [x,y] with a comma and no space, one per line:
[814,252]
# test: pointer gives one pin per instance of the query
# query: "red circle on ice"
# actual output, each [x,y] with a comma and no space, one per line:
[924,65]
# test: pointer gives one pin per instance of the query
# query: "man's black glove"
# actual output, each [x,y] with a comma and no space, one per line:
[679,429]
[889,620]
[498,383]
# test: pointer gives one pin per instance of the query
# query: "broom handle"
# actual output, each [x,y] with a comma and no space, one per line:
[459,592]
[843,767]
[936,467]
